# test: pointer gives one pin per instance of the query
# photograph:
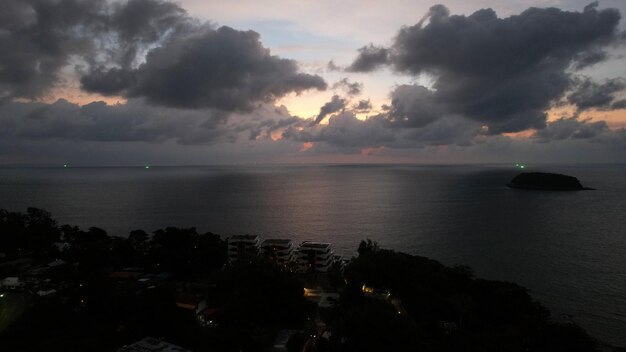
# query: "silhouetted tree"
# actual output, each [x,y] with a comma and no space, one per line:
[261,294]
[367,246]
[139,240]
[489,315]
[34,231]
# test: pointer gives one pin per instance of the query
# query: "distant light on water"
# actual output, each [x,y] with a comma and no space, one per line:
[147,166]
[64,165]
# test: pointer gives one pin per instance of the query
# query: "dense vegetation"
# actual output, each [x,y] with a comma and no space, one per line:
[97,313]
[389,301]
[486,315]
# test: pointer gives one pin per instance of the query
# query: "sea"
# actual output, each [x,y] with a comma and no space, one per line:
[567,248]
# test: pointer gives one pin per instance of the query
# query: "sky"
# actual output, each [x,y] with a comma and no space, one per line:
[196,82]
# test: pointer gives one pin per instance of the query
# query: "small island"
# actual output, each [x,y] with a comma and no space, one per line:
[546,182]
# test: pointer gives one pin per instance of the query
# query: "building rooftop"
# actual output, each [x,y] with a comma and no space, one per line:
[321,245]
[243,237]
[278,241]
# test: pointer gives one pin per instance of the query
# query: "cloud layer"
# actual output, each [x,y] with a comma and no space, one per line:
[140,48]
[504,73]
[220,68]
[192,83]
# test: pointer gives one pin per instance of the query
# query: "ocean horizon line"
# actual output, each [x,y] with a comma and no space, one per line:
[291,164]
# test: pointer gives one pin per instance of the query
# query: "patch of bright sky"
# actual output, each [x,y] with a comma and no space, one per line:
[360,20]
[287,38]
[612,68]
[69,89]
[615,119]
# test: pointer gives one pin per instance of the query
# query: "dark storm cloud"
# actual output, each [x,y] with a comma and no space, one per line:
[589,94]
[351,88]
[589,58]
[145,20]
[221,68]
[448,130]
[620,104]
[502,72]
[264,121]
[335,104]
[413,106]
[346,131]
[571,127]
[370,58]
[503,46]
[187,63]
[36,41]
[39,38]
[138,23]
[136,121]
[363,106]
[131,122]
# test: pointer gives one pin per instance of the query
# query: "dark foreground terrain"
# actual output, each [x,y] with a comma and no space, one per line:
[66,289]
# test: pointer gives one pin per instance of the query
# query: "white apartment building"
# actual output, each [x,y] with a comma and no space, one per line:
[314,257]
[279,250]
[242,247]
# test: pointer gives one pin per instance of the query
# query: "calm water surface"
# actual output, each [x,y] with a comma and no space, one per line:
[568,248]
